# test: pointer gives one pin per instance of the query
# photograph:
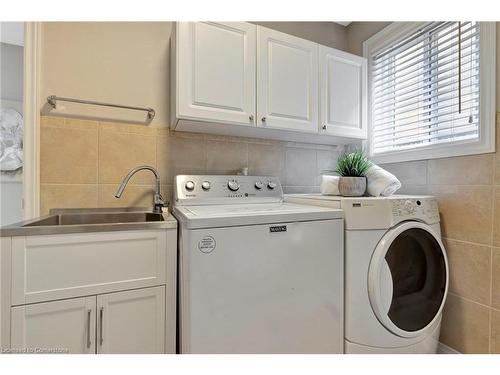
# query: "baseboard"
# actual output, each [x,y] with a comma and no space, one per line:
[444,349]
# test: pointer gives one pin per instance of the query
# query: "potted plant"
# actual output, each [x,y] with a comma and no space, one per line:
[351,167]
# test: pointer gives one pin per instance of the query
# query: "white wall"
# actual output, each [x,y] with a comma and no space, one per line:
[12,33]
[11,75]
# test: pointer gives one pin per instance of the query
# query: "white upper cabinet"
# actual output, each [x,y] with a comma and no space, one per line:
[215,65]
[287,81]
[342,93]
[245,80]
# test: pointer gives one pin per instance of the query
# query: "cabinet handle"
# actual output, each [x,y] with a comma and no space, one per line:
[101,313]
[263,119]
[323,127]
[250,118]
[89,343]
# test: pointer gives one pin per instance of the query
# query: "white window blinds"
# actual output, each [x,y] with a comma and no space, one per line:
[425,88]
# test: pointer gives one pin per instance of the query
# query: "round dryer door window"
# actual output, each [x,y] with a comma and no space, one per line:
[408,279]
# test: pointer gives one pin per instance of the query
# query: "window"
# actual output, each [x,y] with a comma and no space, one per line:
[432,90]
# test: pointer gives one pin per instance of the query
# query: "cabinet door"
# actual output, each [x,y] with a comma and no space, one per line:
[287,81]
[215,65]
[342,93]
[131,321]
[56,327]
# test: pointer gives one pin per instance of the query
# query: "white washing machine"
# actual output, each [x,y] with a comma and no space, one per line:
[396,272]
[256,274]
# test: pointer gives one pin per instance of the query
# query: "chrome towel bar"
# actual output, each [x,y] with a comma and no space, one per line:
[52,100]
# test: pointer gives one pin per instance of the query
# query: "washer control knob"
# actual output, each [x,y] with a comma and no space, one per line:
[271,185]
[409,206]
[205,185]
[189,185]
[233,185]
[259,185]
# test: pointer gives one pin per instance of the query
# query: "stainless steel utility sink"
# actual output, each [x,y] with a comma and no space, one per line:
[88,220]
[97,218]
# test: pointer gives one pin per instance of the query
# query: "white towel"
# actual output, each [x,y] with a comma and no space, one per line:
[330,185]
[11,139]
[380,182]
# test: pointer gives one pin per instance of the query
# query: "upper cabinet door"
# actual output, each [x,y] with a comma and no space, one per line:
[342,93]
[287,81]
[216,71]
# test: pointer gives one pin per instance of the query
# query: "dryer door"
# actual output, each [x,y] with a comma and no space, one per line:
[408,279]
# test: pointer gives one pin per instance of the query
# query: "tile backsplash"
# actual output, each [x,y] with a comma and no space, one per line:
[83,162]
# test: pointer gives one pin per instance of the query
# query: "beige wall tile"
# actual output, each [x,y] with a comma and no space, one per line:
[465,325]
[162,148]
[68,155]
[409,173]
[466,212]
[180,155]
[470,269]
[413,189]
[497,143]
[464,170]
[121,152]
[496,217]
[130,128]
[325,161]
[67,196]
[301,189]
[495,278]
[231,138]
[133,196]
[226,157]
[497,167]
[75,123]
[167,192]
[266,160]
[495,331]
[300,167]
[51,121]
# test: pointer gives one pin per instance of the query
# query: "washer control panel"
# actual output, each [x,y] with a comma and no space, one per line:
[214,189]
[425,208]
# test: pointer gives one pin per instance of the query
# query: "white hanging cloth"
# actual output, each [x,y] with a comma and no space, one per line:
[11,139]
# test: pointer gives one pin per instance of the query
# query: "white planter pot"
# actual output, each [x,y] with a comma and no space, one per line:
[352,186]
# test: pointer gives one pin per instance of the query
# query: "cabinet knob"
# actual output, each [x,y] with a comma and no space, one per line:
[250,118]
[263,119]
[323,127]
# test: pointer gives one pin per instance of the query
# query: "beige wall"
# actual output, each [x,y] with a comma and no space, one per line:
[358,32]
[327,33]
[83,162]
[468,191]
[128,63]
[117,62]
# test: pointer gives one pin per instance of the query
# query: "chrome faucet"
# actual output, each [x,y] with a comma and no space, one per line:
[158,199]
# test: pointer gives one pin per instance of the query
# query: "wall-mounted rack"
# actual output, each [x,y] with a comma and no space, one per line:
[53,99]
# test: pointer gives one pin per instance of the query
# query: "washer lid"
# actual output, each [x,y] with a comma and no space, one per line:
[408,279]
[211,216]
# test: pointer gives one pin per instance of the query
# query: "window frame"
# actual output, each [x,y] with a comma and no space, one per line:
[487,96]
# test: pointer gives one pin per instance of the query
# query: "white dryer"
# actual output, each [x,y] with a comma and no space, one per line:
[256,274]
[396,272]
